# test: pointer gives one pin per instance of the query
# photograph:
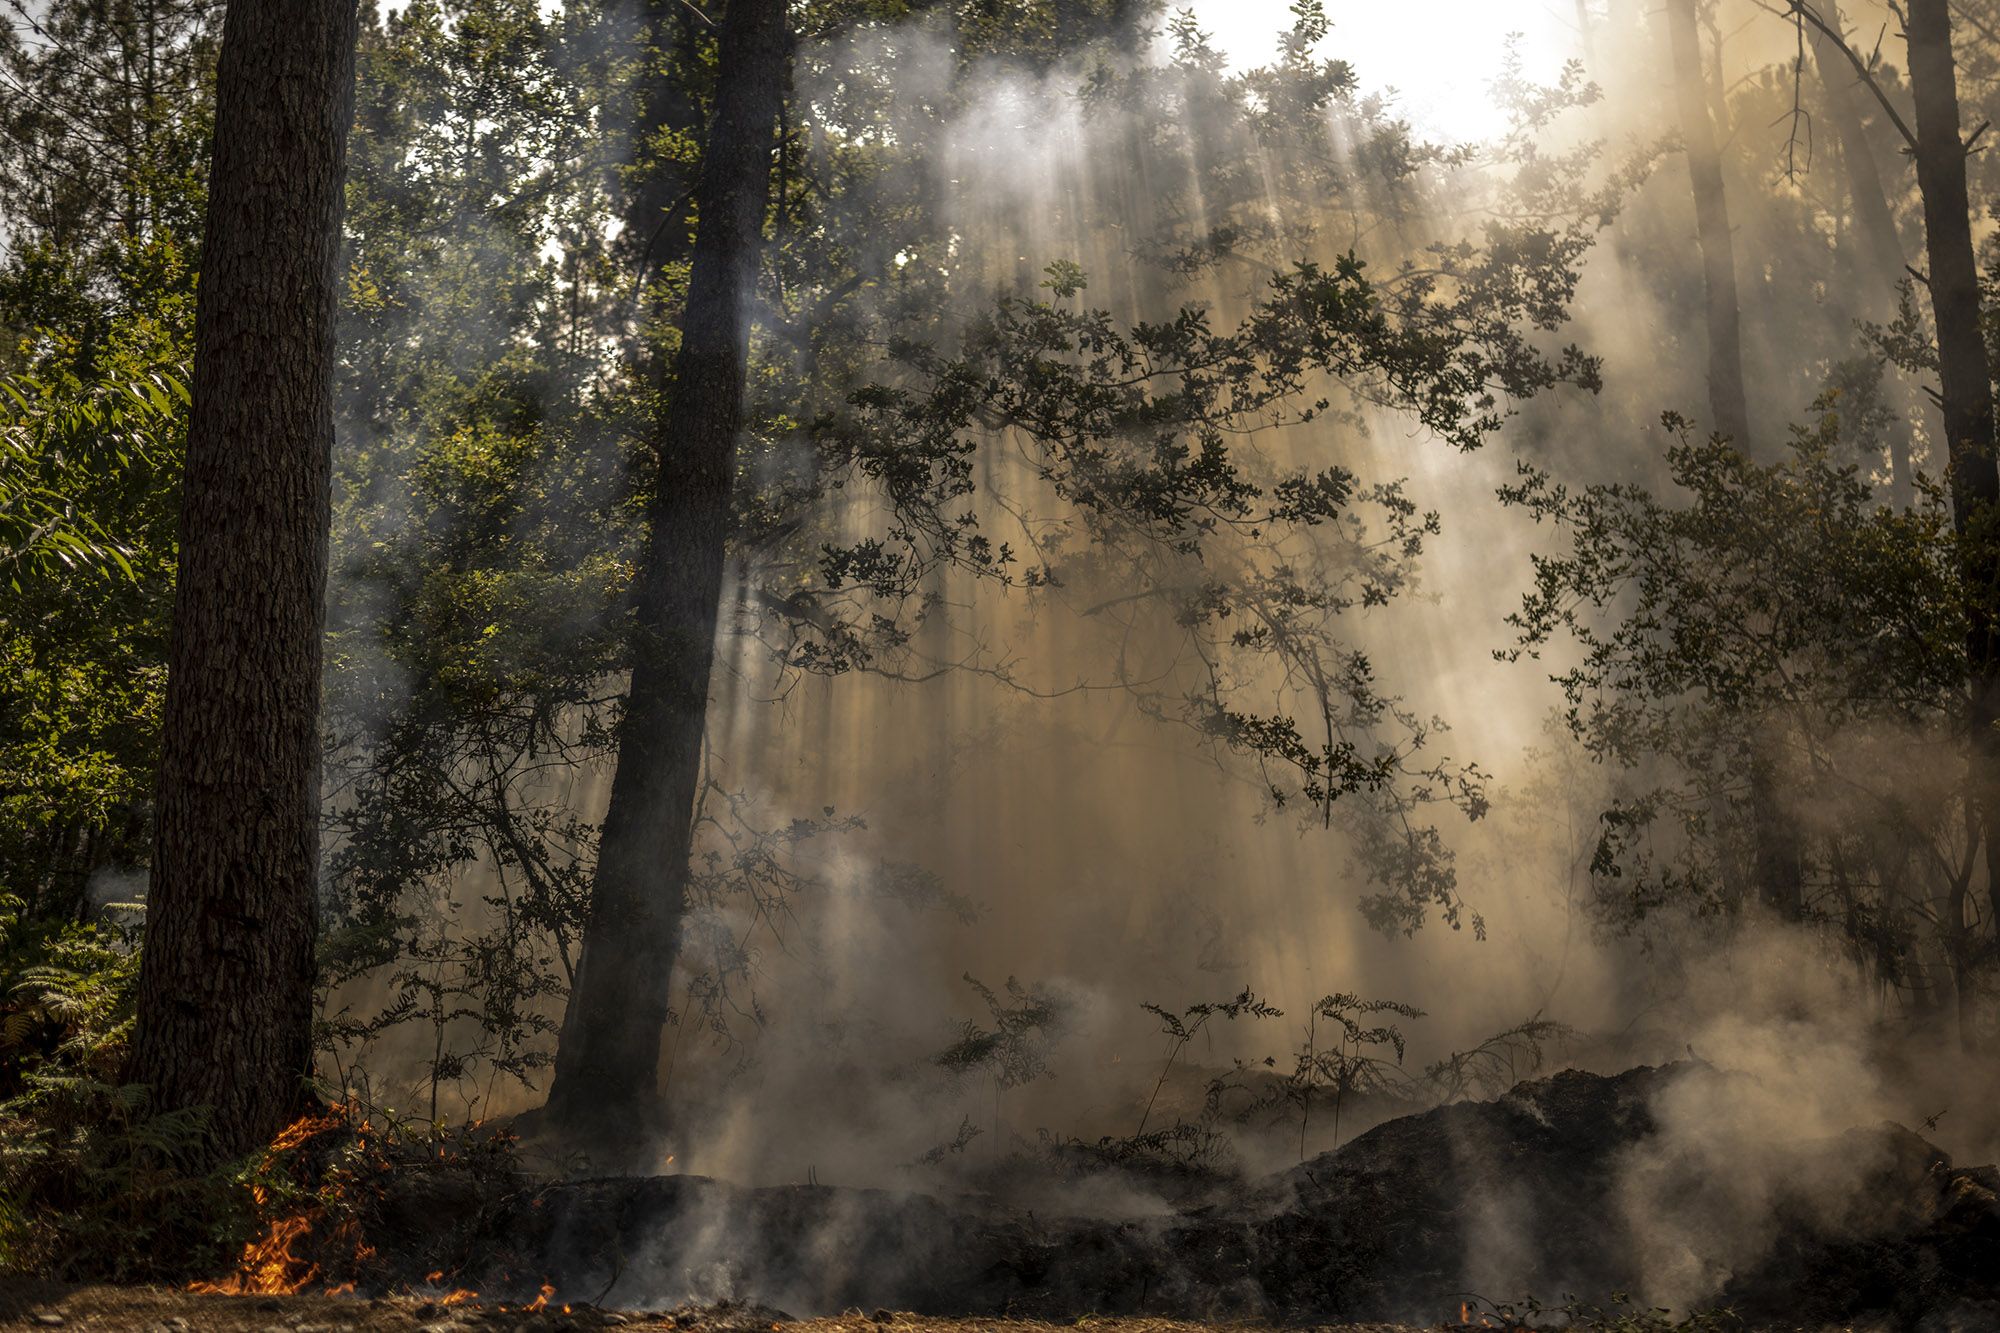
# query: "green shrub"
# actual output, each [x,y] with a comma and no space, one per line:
[92,1182]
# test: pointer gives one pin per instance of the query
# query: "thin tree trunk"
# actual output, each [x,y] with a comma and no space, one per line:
[1882,244]
[1864,176]
[1713,89]
[1966,387]
[225,987]
[1780,868]
[1776,857]
[1728,404]
[605,1091]
[1960,948]
[1728,865]
[667,109]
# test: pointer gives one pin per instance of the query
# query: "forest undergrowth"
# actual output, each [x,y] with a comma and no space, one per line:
[576,594]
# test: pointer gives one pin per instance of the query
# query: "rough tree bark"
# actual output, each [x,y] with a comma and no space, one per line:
[225,987]
[1966,388]
[605,1092]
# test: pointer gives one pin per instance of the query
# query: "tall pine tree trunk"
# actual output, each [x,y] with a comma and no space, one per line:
[1776,855]
[605,1090]
[225,987]
[1881,244]
[1728,405]
[1966,387]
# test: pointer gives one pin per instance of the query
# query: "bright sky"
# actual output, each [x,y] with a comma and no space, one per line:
[1438,54]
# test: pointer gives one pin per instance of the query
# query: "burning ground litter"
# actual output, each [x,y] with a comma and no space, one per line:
[164,1310]
[1572,1187]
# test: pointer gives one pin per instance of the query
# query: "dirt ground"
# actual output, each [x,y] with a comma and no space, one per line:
[29,1305]
[163,1310]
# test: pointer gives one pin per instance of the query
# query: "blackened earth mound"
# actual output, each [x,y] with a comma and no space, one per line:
[1575,1183]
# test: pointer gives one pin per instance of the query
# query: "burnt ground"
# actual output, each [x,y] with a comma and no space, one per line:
[1532,1193]
[1528,1194]
[164,1310]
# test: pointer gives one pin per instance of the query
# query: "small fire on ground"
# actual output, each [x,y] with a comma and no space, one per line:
[271,1264]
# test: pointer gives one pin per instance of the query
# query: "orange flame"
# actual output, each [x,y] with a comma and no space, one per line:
[267,1267]
[541,1302]
[458,1297]
[305,1127]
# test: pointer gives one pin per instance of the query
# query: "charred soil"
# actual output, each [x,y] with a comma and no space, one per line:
[1531,1194]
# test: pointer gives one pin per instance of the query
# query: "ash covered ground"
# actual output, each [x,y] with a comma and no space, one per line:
[1572,1188]
[175,1312]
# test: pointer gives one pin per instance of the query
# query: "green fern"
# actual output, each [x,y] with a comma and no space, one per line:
[92,1180]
